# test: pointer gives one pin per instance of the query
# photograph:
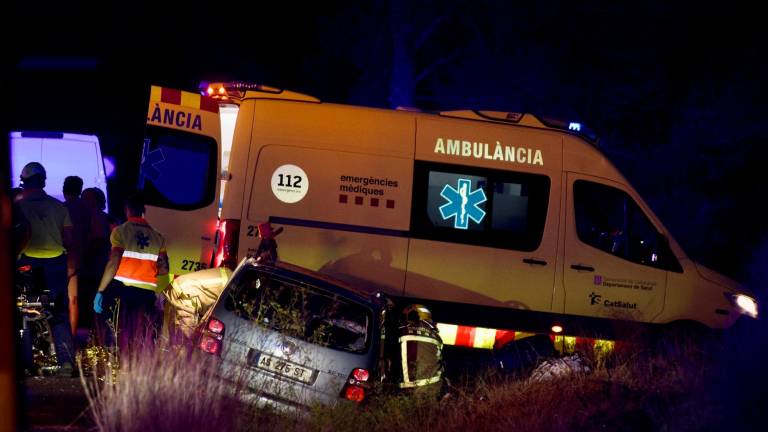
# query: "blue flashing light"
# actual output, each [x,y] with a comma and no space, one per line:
[463,204]
[109,166]
[574,126]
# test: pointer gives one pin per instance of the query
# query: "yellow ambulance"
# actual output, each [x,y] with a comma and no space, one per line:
[495,220]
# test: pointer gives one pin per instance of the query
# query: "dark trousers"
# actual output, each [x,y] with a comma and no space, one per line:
[55,274]
[95,257]
[130,312]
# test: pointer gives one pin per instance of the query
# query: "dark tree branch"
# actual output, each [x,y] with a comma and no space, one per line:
[427,32]
[439,63]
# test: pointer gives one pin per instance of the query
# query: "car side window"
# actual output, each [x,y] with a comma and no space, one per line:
[300,310]
[609,219]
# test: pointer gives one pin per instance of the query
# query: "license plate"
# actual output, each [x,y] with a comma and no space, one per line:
[282,367]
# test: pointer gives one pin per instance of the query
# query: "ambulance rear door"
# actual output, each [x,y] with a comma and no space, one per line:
[179,175]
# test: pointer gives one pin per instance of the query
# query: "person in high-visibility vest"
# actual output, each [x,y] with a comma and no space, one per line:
[417,363]
[50,234]
[136,275]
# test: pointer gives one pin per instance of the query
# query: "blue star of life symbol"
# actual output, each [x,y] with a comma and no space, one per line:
[463,204]
[142,239]
[151,163]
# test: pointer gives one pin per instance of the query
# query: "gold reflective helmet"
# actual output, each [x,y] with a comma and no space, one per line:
[416,312]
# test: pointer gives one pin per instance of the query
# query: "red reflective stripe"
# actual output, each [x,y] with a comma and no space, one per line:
[503,337]
[171,96]
[585,343]
[209,104]
[465,336]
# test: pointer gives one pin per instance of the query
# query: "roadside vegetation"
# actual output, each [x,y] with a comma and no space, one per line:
[678,385]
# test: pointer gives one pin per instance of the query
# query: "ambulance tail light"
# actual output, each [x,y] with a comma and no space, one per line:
[226,252]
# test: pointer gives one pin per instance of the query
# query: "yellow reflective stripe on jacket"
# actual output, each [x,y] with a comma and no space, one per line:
[421,382]
[404,359]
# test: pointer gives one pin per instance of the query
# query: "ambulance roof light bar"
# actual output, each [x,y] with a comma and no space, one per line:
[531,120]
[225,90]
[576,128]
[235,91]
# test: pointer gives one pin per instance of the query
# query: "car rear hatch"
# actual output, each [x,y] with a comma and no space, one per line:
[290,341]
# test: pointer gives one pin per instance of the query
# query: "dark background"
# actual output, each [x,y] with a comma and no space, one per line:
[677,92]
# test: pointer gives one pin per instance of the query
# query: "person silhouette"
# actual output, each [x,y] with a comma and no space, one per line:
[50,237]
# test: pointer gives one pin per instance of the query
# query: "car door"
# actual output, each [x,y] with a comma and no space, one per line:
[179,174]
[614,256]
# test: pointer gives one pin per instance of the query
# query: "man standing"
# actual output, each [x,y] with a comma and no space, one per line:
[80,216]
[50,230]
[136,275]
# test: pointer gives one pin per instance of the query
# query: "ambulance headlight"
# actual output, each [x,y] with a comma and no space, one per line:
[746,304]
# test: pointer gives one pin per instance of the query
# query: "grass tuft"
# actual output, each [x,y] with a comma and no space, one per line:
[674,384]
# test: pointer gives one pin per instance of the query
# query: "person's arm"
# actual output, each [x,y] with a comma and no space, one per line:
[110,270]
[162,272]
[68,239]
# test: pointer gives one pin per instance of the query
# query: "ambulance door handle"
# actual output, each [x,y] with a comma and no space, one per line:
[534,261]
[580,267]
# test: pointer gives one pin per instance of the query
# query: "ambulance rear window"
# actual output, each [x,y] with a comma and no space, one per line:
[479,206]
[178,169]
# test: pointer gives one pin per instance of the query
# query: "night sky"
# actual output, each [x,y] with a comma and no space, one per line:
[677,92]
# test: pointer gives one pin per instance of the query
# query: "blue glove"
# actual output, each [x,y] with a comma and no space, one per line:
[97,303]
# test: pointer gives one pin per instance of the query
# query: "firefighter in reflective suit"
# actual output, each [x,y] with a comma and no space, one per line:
[417,363]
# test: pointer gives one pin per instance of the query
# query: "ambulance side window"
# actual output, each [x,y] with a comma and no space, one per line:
[178,169]
[610,220]
[479,206]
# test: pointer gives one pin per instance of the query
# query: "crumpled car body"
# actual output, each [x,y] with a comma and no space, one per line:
[291,338]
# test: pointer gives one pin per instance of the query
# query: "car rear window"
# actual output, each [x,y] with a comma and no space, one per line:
[301,310]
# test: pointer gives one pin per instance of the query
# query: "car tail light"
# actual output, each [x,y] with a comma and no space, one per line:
[360,374]
[215,326]
[212,337]
[355,394]
[226,252]
[356,385]
[210,345]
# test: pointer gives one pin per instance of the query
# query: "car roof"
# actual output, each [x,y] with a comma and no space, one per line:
[301,274]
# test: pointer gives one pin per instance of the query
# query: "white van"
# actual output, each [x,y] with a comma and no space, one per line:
[62,155]
[494,220]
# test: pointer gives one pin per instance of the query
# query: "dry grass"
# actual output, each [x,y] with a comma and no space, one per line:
[159,390]
[674,387]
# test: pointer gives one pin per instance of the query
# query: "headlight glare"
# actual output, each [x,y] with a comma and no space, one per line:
[746,304]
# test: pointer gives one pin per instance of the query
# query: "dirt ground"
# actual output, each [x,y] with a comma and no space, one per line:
[53,404]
